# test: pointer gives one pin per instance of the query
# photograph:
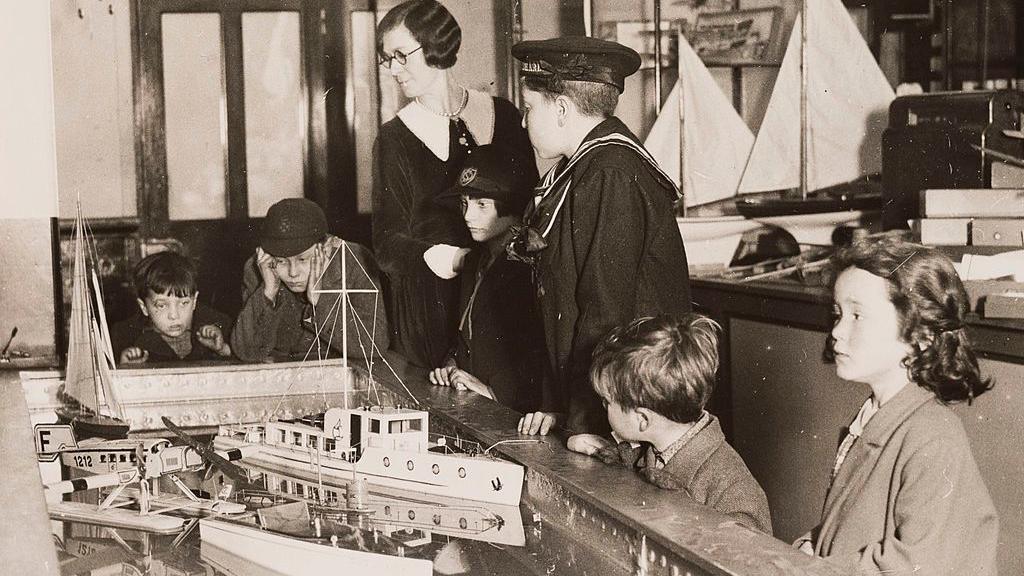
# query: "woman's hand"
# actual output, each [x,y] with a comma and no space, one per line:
[266,265]
[445,260]
[587,444]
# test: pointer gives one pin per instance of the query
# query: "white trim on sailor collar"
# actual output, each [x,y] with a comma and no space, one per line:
[432,129]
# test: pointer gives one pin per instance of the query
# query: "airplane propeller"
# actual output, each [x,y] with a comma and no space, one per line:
[233,471]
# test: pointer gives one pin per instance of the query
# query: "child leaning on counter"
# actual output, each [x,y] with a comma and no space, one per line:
[168,295]
[906,496]
[655,376]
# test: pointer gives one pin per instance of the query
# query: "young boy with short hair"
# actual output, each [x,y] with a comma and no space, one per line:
[655,376]
[167,291]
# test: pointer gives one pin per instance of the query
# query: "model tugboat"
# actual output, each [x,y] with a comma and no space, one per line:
[385,446]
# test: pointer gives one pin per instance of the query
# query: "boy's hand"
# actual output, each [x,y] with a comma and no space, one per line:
[212,337]
[134,355]
[538,422]
[587,444]
[271,283]
[443,376]
[463,380]
[316,269]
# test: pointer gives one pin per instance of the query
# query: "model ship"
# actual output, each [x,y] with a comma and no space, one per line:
[809,168]
[389,510]
[386,446]
[286,540]
[91,405]
[821,137]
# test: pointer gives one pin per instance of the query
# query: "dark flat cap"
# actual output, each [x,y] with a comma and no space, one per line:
[491,171]
[578,58]
[292,225]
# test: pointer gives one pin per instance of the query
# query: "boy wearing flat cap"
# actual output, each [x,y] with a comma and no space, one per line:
[499,352]
[601,231]
[283,310]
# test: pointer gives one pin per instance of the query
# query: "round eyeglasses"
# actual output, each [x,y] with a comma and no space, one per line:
[385,61]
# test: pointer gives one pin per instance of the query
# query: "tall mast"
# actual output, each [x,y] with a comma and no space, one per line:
[803,99]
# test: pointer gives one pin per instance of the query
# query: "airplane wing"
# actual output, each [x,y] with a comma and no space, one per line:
[236,473]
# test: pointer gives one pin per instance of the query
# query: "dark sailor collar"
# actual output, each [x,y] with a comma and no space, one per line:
[432,129]
[550,193]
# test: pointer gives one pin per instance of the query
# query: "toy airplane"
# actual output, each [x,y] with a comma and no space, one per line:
[123,465]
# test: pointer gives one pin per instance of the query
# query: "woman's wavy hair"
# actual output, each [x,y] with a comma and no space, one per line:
[662,363]
[932,304]
[431,24]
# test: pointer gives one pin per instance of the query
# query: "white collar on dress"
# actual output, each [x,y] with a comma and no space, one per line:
[432,129]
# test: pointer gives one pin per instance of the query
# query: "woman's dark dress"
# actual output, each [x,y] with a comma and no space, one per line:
[423,309]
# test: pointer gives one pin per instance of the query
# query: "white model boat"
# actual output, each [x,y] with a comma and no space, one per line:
[353,552]
[385,446]
[389,509]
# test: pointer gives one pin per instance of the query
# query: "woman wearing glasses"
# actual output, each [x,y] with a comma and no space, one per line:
[420,243]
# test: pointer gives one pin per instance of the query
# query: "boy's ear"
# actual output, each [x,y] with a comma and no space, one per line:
[643,418]
[142,306]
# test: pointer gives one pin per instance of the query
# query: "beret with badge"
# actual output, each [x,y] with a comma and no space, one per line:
[491,171]
[577,58]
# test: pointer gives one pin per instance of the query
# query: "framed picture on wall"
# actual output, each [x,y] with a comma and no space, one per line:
[738,37]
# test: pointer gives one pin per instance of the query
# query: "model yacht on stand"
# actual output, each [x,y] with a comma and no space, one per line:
[809,168]
[90,403]
[386,446]
[820,142]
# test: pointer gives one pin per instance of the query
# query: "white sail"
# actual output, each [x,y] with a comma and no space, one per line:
[848,101]
[80,373]
[88,377]
[715,139]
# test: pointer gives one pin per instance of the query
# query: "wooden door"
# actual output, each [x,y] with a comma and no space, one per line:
[231,116]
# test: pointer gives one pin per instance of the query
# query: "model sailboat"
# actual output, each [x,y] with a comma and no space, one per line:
[704,149]
[90,403]
[823,127]
[711,149]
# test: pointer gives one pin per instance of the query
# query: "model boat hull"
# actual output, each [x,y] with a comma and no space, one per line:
[288,555]
[477,478]
[89,425]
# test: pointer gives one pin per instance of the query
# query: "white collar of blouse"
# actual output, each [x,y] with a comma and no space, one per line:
[432,129]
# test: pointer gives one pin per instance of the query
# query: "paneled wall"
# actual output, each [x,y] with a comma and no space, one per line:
[788,407]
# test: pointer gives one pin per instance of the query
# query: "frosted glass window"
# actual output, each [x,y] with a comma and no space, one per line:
[195,117]
[275,108]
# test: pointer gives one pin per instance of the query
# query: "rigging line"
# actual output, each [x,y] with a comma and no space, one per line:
[365,273]
[386,363]
[518,441]
[316,341]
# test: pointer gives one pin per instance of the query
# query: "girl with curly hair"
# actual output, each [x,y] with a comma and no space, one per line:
[906,494]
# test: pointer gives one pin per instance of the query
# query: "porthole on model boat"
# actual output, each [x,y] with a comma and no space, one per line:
[412,515]
[436,469]
[463,523]
[387,461]
[462,472]
[437,519]
[409,465]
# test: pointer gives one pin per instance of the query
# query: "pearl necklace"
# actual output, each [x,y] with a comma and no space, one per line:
[455,114]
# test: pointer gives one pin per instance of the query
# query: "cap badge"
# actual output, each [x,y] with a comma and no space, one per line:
[467,176]
[532,67]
